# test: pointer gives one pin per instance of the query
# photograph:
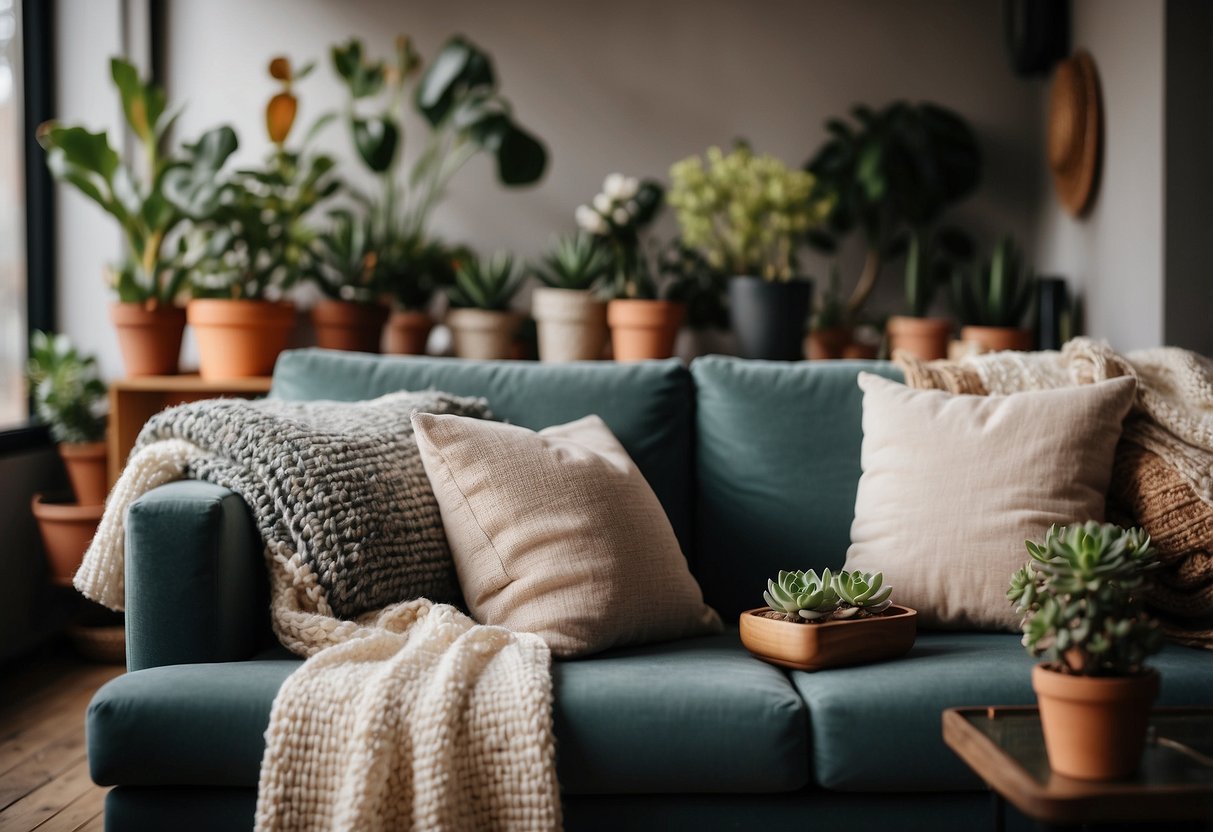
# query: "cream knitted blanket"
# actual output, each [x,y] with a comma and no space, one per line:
[411,716]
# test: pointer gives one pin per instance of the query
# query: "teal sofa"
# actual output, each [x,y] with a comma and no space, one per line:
[756,465]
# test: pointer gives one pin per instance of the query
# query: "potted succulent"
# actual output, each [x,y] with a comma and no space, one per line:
[747,214]
[851,615]
[929,261]
[149,209]
[1080,597]
[352,315]
[571,321]
[993,300]
[69,398]
[482,324]
[257,245]
[457,96]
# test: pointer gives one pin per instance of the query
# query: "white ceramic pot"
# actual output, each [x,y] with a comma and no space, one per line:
[572,324]
[483,334]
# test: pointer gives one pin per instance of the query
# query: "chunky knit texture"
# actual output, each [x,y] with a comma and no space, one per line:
[1163,477]
[407,714]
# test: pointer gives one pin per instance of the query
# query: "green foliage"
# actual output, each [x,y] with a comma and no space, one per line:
[747,214]
[486,283]
[147,209]
[691,280]
[831,310]
[68,392]
[346,265]
[618,217]
[888,171]
[931,260]
[576,261]
[413,269]
[997,294]
[861,592]
[1080,597]
[830,595]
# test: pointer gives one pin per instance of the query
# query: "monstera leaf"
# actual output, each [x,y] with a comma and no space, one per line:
[376,140]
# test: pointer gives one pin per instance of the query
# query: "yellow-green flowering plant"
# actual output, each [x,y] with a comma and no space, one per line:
[746,213]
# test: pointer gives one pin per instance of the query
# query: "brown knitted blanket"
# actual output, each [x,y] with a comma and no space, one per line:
[1163,476]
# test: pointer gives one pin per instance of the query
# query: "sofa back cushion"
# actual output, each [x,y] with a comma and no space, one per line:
[647,405]
[777,453]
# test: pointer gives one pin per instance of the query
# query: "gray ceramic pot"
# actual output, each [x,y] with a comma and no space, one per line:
[770,318]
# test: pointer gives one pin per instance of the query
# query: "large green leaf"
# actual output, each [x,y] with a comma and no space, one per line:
[376,140]
[459,67]
[194,188]
[142,103]
[81,149]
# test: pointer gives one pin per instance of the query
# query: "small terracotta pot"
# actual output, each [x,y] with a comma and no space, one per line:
[66,530]
[1094,727]
[996,338]
[149,337]
[572,324]
[924,338]
[644,329]
[483,334]
[824,344]
[860,352]
[346,325]
[408,332]
[85,463]
[240,338]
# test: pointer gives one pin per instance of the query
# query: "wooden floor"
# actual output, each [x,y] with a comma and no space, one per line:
[44,782]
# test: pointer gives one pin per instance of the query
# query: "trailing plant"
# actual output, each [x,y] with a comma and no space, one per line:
[486,283]
[746,213]
[149,196]
[259,242]
[617,217]
[996,294]
[688,278]
[575,261]
[809,597]
[889,171]
[931,260]
[457,97]
[1080,595]
[68,393]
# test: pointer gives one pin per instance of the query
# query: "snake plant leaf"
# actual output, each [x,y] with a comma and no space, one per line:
[376,139]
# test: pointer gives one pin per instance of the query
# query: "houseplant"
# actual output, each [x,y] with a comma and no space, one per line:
[929,261]
[482,324]
[346,270]
[457,96]
[992,301]
[828,333]
[1079,595]
[813,621]
[69,398]
[572,322]
[747,214]
[889,171]
[687,278]
[256,245]
[149,209]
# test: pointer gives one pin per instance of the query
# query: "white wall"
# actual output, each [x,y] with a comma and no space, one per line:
[629,85]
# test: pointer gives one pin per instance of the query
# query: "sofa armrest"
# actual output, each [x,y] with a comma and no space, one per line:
[195,577]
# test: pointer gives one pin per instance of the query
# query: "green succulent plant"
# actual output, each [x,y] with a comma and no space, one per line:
[861,591]
[69,395]
[1080,595]
[803,594]
[576,261]
[486,283]
[996,294]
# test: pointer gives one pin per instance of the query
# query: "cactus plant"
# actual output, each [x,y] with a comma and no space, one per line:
[486,283]
[802,594]
[997,294]
[861,592]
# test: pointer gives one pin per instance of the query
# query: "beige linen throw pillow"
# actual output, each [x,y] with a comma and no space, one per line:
[557,533]
[952,485]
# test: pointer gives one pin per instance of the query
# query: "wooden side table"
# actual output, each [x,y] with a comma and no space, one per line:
[1005,747]
[135,400]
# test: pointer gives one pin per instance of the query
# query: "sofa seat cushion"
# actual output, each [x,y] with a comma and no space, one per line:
[698,715]
[868,722]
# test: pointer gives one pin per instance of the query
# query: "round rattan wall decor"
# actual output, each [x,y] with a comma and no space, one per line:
[1075,137]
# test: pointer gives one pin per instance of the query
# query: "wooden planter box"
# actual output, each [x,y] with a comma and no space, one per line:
[832,644]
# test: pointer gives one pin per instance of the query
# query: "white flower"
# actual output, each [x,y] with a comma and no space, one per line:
[613,185]
[621,216]
[590,220]
[602,204]
[631,185]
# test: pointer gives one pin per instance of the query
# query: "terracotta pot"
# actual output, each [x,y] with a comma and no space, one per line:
[644,329]
[811,646]
[149,337]
[1094,727]
[408,332]
[996,338]
[240,338]
[85,463]
[924,338]
[824,344]
[860,352]
[483,334]
[67,529]
[572,324]
[346,325]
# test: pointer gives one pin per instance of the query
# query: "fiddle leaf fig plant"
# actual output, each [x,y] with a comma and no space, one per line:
[809,597]
[149,196]
[68,393]
[1080,595]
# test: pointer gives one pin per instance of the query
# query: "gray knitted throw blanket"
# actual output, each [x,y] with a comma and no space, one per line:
[407,714]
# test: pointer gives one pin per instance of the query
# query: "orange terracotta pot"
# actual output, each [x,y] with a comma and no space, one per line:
[644,329]
[1094,727]
[66,530]
[149,337]
[85,463]
[825,344]
[240,338]
[924,338]
[860,352]
[346,325]
[996,338]
[408,332]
